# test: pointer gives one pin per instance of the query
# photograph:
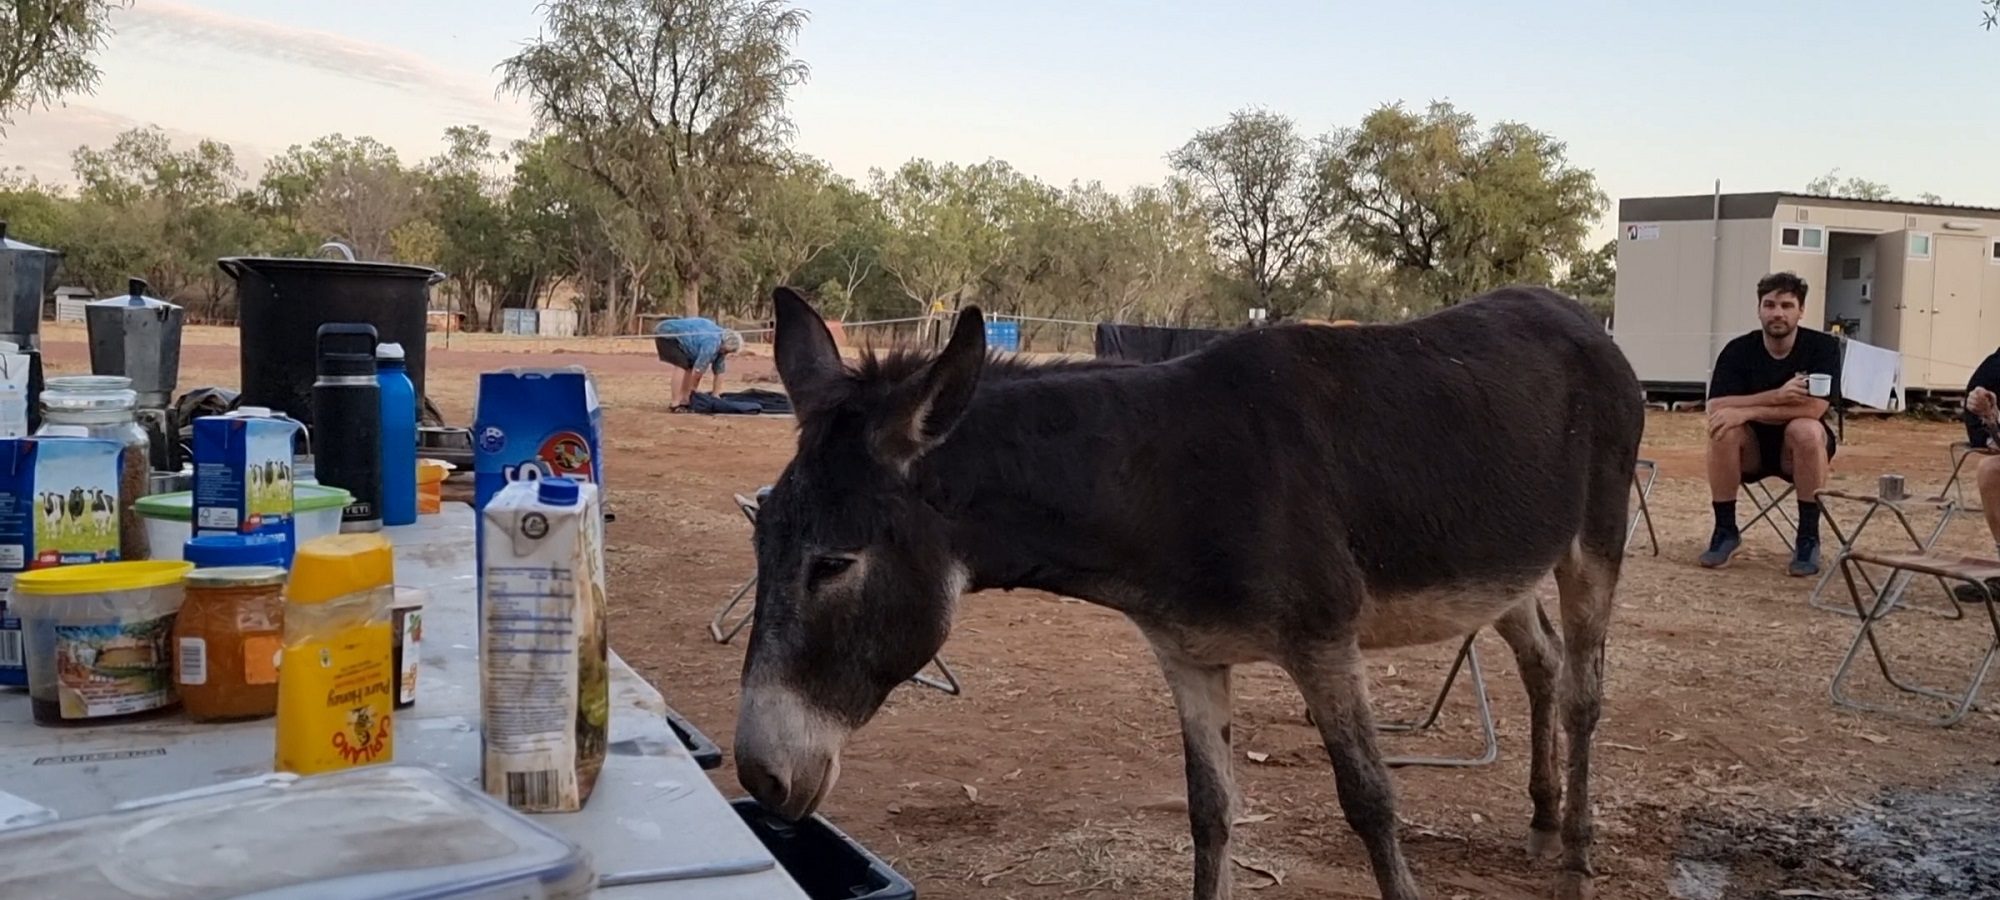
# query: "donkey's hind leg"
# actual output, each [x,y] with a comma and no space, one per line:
[1538,652]
[1336,689]
[1201,694]
[1585,579]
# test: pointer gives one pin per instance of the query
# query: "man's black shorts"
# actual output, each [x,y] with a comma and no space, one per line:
[1770,439]
[672,352]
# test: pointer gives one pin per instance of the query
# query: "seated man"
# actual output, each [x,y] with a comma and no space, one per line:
[693,344]
[1765,419]
[1982,432]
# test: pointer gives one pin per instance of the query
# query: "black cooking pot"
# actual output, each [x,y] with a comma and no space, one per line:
[282,301]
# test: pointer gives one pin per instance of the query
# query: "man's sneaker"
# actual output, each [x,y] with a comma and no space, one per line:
[1968,594]
[1806,560]
[1721,546]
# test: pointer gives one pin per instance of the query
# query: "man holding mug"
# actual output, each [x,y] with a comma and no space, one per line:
[1768,397]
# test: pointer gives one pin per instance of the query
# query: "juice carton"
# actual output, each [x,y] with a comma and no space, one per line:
[536,423]
[243,475]
[58,506]
[544,649]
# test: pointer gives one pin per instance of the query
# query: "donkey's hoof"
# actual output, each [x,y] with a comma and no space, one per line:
[1544,846]
[1574,886]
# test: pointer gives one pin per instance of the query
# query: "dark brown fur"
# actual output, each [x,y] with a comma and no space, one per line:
[1292,494]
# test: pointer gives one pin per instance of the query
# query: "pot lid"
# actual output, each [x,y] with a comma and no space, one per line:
[7,243]
[134,298]
[234,266]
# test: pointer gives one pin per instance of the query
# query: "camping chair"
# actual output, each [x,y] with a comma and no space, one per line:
[1467,658]
[1954,487]
[1771,508]
[1899,581]
[1652,470]
[722,630]
[1970,570]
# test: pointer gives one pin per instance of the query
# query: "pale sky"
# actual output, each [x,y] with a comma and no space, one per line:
[1658,97]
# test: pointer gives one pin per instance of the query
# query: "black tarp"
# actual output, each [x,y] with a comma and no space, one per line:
[1148,343]
[750,401]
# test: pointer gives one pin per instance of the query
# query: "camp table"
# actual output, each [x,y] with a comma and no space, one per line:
[653,811]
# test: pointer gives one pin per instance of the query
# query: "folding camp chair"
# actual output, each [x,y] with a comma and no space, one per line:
[1954,487]
[1467,658]
[1771,508]
[1899,581]
[1970,570]
[1645,486]
[722,630]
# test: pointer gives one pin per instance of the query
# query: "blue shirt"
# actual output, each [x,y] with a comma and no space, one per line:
[702,339]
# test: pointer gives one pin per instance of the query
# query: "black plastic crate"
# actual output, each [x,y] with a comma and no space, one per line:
[705,751]
[827,864]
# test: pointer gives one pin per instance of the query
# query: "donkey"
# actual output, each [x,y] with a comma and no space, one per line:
[1293,494]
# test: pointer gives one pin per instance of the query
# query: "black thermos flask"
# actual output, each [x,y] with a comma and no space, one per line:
[347,421]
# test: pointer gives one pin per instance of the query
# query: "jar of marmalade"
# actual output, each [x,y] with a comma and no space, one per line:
[226,642]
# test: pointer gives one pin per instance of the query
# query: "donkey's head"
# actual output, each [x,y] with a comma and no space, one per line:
[856,576]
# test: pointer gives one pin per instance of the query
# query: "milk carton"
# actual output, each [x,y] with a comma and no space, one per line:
[544,649]
[58,506]
[243,475]
[536,423]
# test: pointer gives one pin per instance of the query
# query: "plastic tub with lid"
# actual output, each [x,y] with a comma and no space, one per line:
[371,833]
[99,640]
[170,517]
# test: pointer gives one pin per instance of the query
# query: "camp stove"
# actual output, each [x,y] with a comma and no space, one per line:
[139,337]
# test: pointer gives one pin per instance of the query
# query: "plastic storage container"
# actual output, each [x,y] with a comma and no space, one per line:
[405,832]
[99,640]
[826,863]
[170,517]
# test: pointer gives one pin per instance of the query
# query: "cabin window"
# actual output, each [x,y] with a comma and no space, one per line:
[1803,238]
[1996,253]
[1920,246]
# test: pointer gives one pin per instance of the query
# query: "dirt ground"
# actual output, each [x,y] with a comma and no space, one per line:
[1722,770]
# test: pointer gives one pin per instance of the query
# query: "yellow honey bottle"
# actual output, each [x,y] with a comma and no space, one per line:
[336,683]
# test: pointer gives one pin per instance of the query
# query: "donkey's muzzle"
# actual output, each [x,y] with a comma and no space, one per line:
[787,754]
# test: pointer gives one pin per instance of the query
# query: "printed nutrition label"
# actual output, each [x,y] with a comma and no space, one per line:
[530,656]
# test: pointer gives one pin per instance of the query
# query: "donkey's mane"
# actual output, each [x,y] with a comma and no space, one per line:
[901,363]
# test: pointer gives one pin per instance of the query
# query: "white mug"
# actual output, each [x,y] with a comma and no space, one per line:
[1819,384]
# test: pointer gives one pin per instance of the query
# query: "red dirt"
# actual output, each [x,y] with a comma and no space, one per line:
[1058,773]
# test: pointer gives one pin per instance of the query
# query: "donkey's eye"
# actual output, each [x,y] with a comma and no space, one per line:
[825,567]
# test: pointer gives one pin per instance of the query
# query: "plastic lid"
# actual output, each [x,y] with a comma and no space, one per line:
[336,565]
[178,506]
[389,351]
[210,551]
[101,578]
[557,491]
[377,831]
[236,576]
[88,393]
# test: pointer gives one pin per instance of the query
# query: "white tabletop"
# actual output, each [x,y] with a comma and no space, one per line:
[653,807]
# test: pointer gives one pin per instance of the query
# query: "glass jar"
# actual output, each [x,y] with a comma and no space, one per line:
[226,642]
[104,406]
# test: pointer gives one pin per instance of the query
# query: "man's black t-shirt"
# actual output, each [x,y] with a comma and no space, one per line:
[1744,367]
[1986,376]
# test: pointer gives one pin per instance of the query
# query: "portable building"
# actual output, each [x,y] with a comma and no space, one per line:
[1922,279]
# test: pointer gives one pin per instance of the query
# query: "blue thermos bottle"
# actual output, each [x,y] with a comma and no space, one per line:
[399,436]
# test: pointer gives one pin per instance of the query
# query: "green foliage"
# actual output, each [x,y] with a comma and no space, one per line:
[676,107]
[1454,212]
[45,48]
[1268,197]
[1832,185]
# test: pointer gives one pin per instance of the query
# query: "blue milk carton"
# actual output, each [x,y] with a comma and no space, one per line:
[59,506]
[243,475]
[532,423]
[535,423]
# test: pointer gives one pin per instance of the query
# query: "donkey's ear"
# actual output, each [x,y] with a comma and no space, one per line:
[922,412]
[808,362]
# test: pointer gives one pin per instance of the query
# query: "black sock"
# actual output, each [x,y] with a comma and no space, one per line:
[1809,519]
[1725,515]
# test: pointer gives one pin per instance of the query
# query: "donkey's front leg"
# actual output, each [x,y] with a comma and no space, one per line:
[1331,678]
[1201,693]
